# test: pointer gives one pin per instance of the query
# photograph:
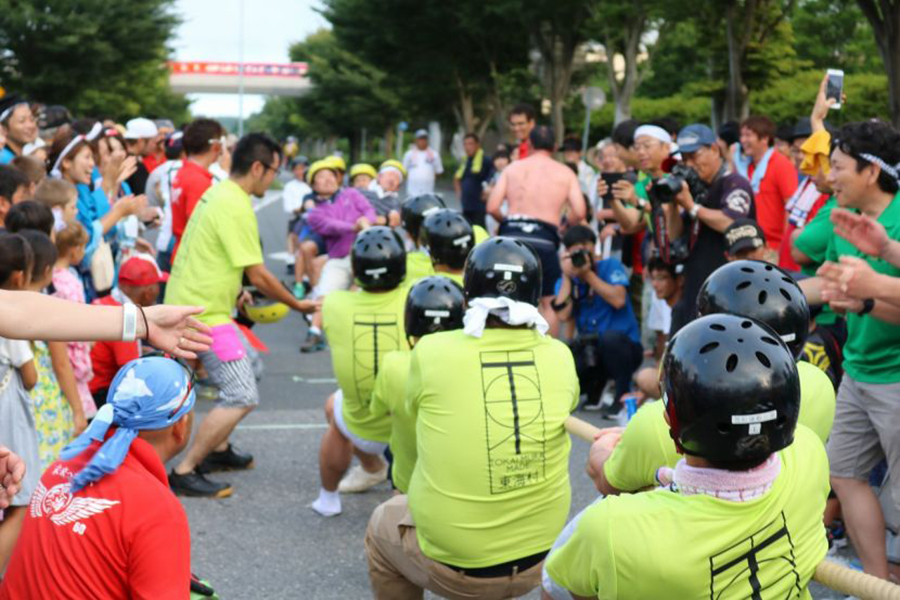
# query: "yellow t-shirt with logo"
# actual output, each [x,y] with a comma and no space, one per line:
[646,444]
[389,399]
[491,481]
[362,327]
[418,265]
[663,544]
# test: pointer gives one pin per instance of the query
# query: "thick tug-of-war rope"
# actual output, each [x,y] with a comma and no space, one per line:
[828,573]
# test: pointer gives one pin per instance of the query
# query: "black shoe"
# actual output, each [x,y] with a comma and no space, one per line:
[195,484]
[314,343]
[230,459]
[609,411]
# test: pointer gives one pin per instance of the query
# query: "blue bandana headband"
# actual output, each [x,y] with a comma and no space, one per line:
[147,394]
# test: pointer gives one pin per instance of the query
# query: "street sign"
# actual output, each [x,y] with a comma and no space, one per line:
[593,98]
[403,126]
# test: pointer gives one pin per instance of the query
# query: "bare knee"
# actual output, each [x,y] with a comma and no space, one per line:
[329,409]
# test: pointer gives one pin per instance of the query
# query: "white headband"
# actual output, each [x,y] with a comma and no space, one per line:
[893,171]
[391,169]
[9,111]
[92,135]
[653,131]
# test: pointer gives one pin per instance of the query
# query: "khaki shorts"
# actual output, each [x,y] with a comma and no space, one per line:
[399,571]
[337,274]
[866,430]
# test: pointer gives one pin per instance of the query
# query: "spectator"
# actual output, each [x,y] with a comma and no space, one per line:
[292,197]
[607,161]
[595,294]
[745,240]
[160,184]
[35,171]
[471,179]
[800,132]
[13,189]
[30,215]
[312,251]
[729,138]
[202,147]
[135,532]
[500,161]
[521,121]
[724,197]
[784,135]
[571,152]
[157,155]
[61,197]
[36,150]
[423,164]
[18,125]
[771,174]
[140,134]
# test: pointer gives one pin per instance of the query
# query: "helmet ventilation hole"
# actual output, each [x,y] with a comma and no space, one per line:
[747,270]
[786,295]
[746,325]
[709,347]
[763,295]
[731,363]
[766,339]
[717,327]
[742,285]
[764,360]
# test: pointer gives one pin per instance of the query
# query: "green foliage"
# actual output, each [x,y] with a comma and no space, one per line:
[788,99]
[96,57]
[684,109]
[835,34]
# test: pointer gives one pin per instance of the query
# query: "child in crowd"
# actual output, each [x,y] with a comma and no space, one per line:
[61,197]
[17,377]
[34,170]
[70,246]
[55,400]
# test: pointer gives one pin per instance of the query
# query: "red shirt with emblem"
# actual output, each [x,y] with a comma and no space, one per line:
[776,188]
[108,357]
[191,182]
[124,536]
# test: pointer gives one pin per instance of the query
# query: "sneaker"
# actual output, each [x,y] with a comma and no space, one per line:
[299,291]
[230,459]
[359,480]
[610,411]
[314,343]
[195,484]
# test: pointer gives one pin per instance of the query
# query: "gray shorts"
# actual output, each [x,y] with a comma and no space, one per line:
[866,430]
[235,379]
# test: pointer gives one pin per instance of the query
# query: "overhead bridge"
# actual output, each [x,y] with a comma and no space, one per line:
[272,79]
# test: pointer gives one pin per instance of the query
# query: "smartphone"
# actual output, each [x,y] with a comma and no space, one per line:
[610,179]
[835,86]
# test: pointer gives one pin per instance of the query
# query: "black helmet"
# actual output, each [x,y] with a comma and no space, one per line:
[448,236]
[503,267]
[731,390]
[415,209]
[378,259]
[434,304]
[757,289]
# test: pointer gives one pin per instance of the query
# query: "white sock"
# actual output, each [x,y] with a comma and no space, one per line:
[313,330]
[328,504]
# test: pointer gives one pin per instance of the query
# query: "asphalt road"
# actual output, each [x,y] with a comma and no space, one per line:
[265,541]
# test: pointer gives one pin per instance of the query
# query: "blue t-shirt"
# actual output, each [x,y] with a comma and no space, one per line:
[6,156]
[592,313]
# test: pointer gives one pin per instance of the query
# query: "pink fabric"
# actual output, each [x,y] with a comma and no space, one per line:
[227,344]
[68,287]
[736,486]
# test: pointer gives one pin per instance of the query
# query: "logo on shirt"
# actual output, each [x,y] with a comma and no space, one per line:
[738,201]
[373,337]
[62,508]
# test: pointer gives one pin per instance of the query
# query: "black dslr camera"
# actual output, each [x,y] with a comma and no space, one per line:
[580,258]
[664,189]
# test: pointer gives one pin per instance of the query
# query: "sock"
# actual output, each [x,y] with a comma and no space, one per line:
[328,504]
[313,330]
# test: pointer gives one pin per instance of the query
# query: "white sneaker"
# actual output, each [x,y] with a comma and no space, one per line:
[359,480]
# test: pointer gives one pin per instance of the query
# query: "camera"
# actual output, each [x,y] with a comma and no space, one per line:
[664,189]
[580,258]
[584,347]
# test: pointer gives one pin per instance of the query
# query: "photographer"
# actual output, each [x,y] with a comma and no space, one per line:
[712,201]
[595,294]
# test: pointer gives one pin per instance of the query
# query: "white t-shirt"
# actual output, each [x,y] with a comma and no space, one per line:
[166,177]
[293,194]
[422,166]
[15,352]
[660,317]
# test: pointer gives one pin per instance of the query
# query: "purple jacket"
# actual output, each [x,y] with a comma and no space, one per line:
[336,221]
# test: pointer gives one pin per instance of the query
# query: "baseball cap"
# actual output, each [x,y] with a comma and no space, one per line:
[420,133]
[140,127]
[141,270]
[693,137]
[744,234]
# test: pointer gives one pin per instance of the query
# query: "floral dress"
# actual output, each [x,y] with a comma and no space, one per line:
[68,286]
[52,414]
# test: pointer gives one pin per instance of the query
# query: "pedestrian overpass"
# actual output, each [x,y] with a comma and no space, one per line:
[271,79]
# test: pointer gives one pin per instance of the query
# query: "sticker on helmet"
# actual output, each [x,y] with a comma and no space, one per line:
[376,273]
[788,337]
[430,211]
[437,313]
[508,270]
[770,415]
[462,241]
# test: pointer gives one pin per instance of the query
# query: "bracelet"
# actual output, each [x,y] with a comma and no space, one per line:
[146,324]
[868,305]
[694,211]
[129,322]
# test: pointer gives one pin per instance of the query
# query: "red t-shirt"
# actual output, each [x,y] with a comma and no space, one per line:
[108,357]
[151,161]
[785,260]
[775,190]
[125,536]
[524,148]
[190,183]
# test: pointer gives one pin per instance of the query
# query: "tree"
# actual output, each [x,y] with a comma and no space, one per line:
[884,16]
[96,57]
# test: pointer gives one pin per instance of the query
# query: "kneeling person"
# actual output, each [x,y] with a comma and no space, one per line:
[490,490]
[362,327]
[433,304]
[413,213]
[743,517]
[449,238]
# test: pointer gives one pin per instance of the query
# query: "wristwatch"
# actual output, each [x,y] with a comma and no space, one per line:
[868,305]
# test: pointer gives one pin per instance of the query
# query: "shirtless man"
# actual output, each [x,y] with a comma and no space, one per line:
[537,188]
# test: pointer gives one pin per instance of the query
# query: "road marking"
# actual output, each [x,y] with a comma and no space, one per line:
[283,256]
[268,201]
[298,379]
[283,426]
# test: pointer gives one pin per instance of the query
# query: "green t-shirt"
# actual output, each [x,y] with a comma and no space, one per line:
[418,265]
[362,327]
[870,353]
[389,398]
[646,444]
[641,188]
[491,481]
[813,241]
[481,234]
[221,240]
[663,544]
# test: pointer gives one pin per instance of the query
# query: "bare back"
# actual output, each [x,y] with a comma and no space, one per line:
[538,187]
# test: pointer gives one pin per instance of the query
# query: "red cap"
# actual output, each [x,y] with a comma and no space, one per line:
[141,270]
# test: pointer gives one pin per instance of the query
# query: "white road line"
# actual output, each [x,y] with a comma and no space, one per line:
[283,426]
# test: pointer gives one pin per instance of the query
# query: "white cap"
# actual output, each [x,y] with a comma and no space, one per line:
[37,144]
[140,127]
[420,133]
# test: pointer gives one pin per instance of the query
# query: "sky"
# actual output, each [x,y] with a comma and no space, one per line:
[210,31]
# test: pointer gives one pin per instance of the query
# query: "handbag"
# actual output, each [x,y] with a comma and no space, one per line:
[103,269]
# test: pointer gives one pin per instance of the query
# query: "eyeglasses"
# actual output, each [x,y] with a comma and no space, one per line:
[268,167]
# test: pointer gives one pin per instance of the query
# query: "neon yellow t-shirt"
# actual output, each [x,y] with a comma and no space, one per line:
[418,265]
[389,398]
[362,327]
[457,277]
[480,233]
[646,444]
[221,240]
[491,481]
[663,544]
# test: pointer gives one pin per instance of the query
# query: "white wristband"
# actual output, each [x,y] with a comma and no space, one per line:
[129,322]
[695,210]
